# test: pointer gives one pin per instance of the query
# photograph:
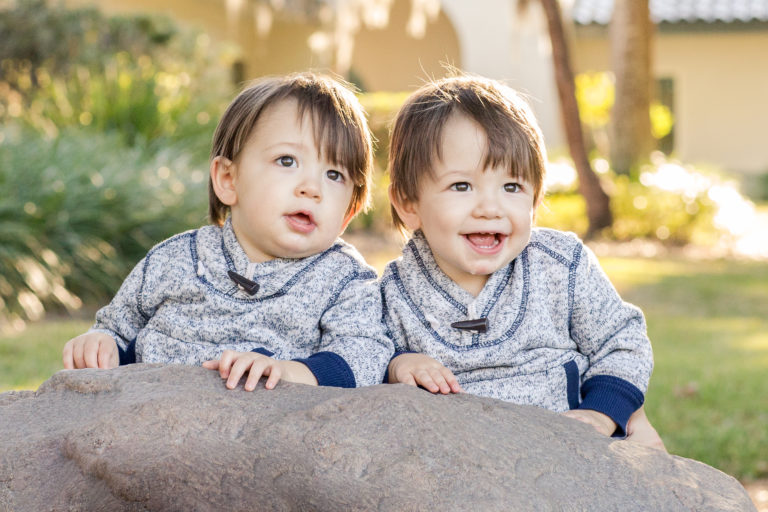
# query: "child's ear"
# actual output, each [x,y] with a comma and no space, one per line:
[223,179]
[406,210]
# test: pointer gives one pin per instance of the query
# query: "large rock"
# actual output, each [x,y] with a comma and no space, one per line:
[150,437]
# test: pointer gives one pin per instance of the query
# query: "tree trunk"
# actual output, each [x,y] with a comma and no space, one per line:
[631,32]
[598,204]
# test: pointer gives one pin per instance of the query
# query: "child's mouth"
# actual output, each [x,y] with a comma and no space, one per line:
[485,242]
[301,221]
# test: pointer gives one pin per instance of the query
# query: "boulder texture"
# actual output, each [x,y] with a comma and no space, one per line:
[153,437]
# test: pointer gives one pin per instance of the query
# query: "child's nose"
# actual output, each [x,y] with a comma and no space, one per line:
[309,187]
[487,206]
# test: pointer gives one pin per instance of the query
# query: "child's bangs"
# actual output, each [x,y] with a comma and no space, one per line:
[337,135]
[510,147]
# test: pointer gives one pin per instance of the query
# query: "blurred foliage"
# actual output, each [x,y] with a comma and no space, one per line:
[42,34]
[105,132]
[640,210]
[78,211]
[595,95]
[140,76]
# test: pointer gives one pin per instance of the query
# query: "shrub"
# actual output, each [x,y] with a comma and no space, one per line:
[669,202]
[78,211]
[106,129]
[140,76]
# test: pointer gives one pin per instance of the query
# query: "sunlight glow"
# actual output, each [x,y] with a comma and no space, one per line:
[744,228]
[736,216]
[560,176]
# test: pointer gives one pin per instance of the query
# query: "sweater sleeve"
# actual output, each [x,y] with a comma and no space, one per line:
[351,330]
[123,317]
[612,334]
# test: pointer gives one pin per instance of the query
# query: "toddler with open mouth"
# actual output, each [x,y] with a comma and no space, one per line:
[268,288]
[481,301]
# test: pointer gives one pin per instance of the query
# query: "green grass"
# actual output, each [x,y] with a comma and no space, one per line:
[707,321]
[708,396]
[30,357]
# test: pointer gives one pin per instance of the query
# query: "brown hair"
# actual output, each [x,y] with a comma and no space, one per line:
[340,129]
[512,134]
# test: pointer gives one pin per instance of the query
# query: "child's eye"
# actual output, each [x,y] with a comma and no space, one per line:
[461,186]
[512,187]
[334,175]
[286,161]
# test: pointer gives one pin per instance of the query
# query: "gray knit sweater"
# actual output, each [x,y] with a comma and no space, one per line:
[179,305]
[558,335]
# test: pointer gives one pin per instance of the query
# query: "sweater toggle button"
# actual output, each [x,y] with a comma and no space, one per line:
[243,282]
[478,324]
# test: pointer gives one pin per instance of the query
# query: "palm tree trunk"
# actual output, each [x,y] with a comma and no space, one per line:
[631,33]
[598,203]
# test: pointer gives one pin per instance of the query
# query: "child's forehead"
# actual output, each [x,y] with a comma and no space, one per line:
[287,119]
[464,146]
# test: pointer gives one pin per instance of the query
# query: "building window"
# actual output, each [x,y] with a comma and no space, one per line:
[663,114]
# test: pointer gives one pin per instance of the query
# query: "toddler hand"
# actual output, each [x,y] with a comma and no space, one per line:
[233,365]
[422,370]
[91,350]
[602,423]
[640,430]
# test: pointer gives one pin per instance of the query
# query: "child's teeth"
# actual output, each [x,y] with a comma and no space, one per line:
[484,240]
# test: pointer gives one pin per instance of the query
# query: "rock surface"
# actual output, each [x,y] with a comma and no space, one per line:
[150,437]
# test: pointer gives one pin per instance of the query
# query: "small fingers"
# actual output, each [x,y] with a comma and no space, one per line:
[91,353]
[77,353]
[439,379]
[589,420]
[451,380]
[225,363]
[213,364]
[238,369]
[106,352]
[424,379]
[258,368]
[274,371]
[575,415]
[67,357]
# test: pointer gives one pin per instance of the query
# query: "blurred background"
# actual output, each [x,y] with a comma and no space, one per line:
[655,114]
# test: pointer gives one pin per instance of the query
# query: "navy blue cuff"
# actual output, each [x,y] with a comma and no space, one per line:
[612,396]
[397,353]
[127,356]
[330,370]
[263,351]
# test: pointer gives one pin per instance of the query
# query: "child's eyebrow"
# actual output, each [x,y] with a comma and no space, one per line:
[294,145]
[456,173]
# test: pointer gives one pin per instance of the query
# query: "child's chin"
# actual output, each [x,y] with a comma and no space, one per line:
[484,270]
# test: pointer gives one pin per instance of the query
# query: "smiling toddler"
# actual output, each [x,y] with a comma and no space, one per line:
[481,301]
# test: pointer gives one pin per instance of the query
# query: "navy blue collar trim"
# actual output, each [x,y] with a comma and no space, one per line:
[476,343]
[308,264]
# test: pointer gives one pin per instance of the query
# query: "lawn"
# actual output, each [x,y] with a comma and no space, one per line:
[708,322]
